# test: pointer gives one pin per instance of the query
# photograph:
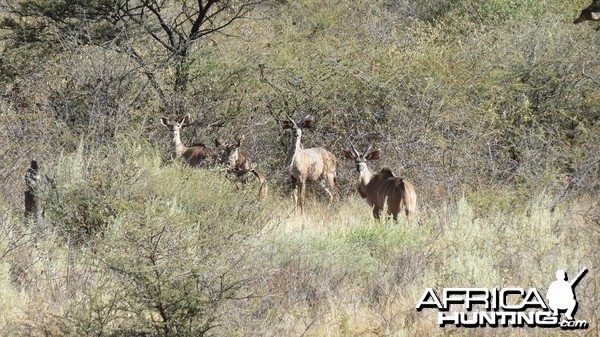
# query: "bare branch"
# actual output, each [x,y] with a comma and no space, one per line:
[165,27]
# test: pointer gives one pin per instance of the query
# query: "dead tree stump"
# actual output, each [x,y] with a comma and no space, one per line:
[33,207]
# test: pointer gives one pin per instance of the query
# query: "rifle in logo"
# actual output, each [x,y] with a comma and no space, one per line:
[561,294]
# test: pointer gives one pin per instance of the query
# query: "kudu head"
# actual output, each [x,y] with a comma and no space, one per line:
[305,123]
[361,159]
[230,153]
[174,126]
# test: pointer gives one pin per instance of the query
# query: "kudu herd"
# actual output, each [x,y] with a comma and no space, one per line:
[230,156]
[312,164]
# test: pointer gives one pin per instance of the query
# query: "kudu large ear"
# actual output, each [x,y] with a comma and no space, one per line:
[286,124]
[373,155]
[307,123]
[164,121]
[185,120]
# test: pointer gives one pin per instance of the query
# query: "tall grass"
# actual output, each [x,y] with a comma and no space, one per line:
[358,276]
[182,251]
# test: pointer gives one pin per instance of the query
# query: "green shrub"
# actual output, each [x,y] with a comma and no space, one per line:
[171,247]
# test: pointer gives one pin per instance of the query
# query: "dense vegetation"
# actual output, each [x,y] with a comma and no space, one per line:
[491,108]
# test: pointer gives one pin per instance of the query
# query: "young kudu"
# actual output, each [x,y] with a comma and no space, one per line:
[316,164]
[196,155]
[239,163]
[382,187]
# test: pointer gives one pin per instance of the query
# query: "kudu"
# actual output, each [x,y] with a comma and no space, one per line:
[315,164]
[195,155]
[590,13]
[382,187]
[239,163]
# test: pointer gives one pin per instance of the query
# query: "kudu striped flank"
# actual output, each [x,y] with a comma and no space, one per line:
[196,155]
[382,187]
[314,164]
[239,163]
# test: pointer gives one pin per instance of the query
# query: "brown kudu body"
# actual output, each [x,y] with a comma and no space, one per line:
[383,187]
[196,155]
[239,163]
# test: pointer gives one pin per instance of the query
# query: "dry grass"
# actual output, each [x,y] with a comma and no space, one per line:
[454,247]
[333,271]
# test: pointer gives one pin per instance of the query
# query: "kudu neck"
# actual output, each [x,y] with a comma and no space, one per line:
[366,175]
[179,147]
[234,157]
[364,179]
[294,150]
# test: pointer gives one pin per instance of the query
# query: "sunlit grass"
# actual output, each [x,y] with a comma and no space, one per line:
[455,247]
[330,271]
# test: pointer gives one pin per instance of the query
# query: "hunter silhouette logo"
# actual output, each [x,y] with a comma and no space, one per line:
[507,307]
[561,294]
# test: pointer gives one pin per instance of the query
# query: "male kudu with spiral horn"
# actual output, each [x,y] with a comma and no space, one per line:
[382,187]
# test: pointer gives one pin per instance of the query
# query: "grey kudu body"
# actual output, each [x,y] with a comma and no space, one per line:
[382,187]
[314,164]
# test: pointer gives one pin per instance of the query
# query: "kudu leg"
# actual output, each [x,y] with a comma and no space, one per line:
[408,215]
[331,183]
[302,195]
[376,212]
[326,188]
[295,191]
[407,211]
